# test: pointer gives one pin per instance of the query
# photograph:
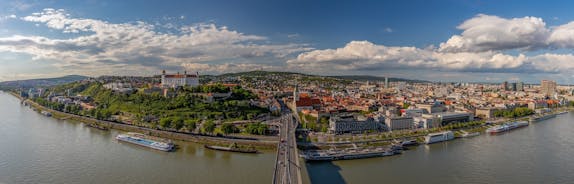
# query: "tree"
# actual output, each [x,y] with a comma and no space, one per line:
[324,120]
[177,123]
[165,122]
[190,124]
[228,128]
[256,128]
[209,126]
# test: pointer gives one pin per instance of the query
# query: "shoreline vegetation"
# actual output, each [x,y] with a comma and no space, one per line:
[312,142]
[178,136]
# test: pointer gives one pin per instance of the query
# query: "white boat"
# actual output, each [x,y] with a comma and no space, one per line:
[466,134]
[439,137]
[506,127]
[46,113]
[542,117]
[142,140]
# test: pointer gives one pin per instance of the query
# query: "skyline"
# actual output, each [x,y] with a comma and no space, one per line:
[473,41]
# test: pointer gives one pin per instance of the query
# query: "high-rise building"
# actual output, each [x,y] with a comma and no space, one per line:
[513,86]
[386,83]
[519,86]
[504,86]
[548,87]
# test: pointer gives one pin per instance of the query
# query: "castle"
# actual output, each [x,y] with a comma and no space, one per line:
[177,80]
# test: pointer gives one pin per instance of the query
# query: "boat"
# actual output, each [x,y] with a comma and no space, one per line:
[412,142]
[506,127]
[96,126]
[349,154]
[466,134]
[146,141]
[232,148]
[542,117]
[46,113]
[563,112]
[439,137]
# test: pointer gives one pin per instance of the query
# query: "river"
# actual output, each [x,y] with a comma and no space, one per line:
[39,149]
[540,153]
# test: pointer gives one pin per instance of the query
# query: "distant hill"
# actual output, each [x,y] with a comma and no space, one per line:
[344,77]
[257,72]
[41,82]
[375,78]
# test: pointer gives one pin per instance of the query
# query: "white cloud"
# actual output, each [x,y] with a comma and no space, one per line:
[562,36]
[7,17]
[479,48]
[295,35]
[103,43]
[228,67]
[487,33]
[21,5]
[363,55]
[389,30]
[493,33]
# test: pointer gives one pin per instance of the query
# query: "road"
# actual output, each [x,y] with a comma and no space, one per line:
[287,168]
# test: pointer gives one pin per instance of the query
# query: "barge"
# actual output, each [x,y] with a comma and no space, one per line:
[232,148]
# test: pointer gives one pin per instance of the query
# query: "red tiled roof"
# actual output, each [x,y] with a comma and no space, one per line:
[306,101]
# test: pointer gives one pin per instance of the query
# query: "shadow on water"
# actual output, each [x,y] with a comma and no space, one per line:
[324,172]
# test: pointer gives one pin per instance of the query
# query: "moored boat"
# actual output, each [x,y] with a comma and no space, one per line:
[412,142]
[232,148]
[143,140]
[96,126]
[542,117]
[46,113]
[439,137]
[466,134]
[506,127]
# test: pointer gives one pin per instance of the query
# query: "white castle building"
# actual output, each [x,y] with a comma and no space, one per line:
[176,80]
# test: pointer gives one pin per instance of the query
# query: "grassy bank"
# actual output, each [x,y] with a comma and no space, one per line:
[202,139]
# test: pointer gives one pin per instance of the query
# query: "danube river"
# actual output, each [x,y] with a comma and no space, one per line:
[39,149]
[540,153]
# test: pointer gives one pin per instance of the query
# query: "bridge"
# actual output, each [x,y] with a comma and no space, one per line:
[287,166]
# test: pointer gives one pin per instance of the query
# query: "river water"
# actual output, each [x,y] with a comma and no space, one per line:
[39,149]
[540,153]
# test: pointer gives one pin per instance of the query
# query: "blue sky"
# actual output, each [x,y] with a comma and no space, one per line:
[449,40]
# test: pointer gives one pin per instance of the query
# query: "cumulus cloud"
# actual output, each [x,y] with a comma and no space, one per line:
[101,43]
[487,33]
[228,67]
[481,47]
[364,55]
[7,17]
[493,33]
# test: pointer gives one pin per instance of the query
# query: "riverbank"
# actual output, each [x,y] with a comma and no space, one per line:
[383,139]
[201,139]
